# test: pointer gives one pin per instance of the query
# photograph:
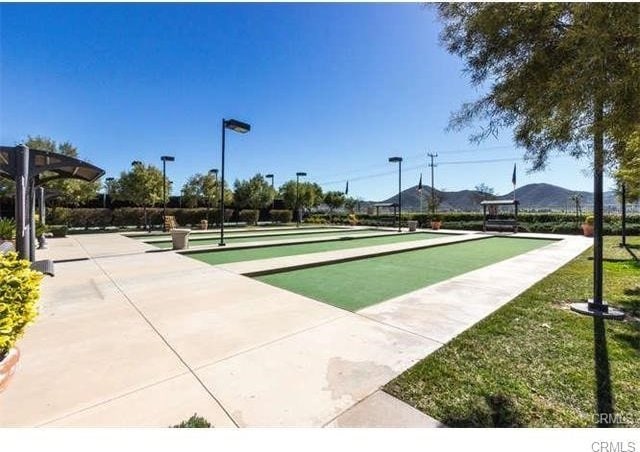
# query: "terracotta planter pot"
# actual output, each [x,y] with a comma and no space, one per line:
[587,230]
[436,225]
[8,367]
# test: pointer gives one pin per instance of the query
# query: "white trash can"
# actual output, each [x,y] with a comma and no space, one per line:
[180,238]
[413,225]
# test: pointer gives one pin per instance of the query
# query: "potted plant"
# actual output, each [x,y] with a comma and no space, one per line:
[7,230]
[41,230]
[19,294]
[587,226]
[436,222]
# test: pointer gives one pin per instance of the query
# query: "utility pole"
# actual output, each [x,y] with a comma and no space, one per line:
[433,194]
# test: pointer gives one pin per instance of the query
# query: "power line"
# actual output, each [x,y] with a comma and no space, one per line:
[415,156]
[387,173]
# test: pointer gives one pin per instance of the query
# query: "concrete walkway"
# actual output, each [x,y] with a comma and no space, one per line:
[131,338]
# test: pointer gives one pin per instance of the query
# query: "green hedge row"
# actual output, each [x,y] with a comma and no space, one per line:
[425,218]
[544,223]
[134,216]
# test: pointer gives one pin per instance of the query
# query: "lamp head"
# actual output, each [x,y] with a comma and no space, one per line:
[167,158]
[301,173]
[395,159]
[237,126]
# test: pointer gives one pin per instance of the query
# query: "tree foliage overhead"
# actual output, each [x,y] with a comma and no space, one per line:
[629,169]
[204,189]
[334,199]
[71,191]
[141,186]
[310,194]
[558,73]
[256,193]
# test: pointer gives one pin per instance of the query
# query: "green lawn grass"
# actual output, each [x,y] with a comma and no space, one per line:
[531,363]
[265,237]
[250,254]
[356,284]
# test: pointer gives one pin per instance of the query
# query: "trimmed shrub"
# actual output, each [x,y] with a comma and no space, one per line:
[59,230]
[194,421]
[89,218]
[281,216]
[58,215]
[316,219]
[7,229]
[249,216]
[19,294]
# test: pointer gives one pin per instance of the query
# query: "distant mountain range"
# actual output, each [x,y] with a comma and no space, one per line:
[531,197]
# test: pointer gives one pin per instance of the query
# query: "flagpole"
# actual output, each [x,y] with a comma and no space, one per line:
[514,182]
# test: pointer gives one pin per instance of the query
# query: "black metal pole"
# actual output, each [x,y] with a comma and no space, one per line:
[598,163]
[222,191]
[400,196]
[164,195]
[433,193]
[23,224]
[297,202]
[624,215]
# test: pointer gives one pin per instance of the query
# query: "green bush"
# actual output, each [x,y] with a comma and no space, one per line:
[89,218]
[316,219]
[7,229]
[134,216]
[19,294]
[58,230]
[281,216]
[249,216]
[194,421]
[58,215]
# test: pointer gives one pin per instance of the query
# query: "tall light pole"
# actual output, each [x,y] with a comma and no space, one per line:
[399,161]
[433,193]
[214,173]
[135,164]
[239,127]
[270,176]
[298,175]
[107,189]
[165,159]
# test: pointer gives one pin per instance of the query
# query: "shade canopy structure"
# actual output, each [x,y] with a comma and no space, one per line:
[31,168]
[45,166]
[492,222]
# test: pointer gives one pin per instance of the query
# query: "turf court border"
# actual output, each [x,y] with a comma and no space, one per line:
[340,260]
[240,246]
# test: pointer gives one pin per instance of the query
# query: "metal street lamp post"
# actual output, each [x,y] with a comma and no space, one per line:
[399,161]
[107,189]
[214,172]
[239,127]
[270,176]
[298,175]
[165,159]
[135,164]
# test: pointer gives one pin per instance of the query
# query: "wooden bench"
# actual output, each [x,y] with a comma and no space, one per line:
[501,225]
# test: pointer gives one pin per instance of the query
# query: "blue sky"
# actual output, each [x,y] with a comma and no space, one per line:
[330,89]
